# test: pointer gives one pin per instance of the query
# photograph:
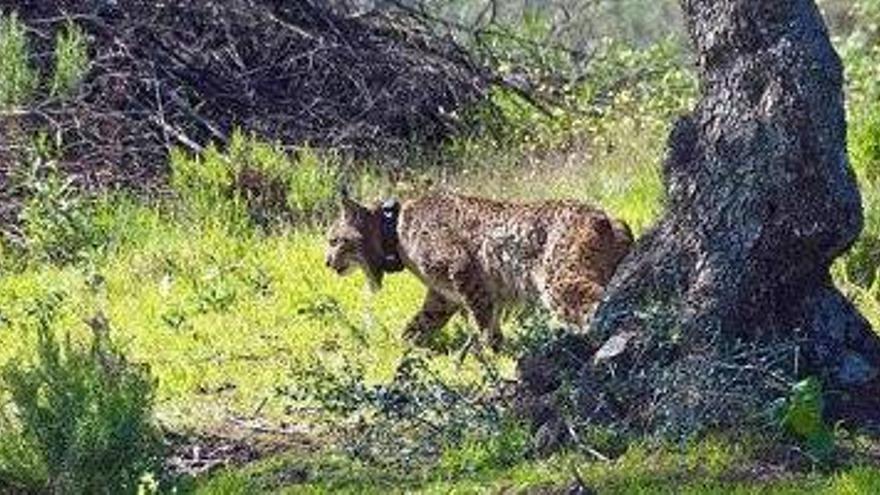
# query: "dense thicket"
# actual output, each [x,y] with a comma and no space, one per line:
[168,74]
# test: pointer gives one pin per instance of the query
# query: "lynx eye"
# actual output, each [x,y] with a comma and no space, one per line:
[335,241]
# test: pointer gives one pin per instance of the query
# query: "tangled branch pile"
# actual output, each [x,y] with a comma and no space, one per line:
[729,385]
[187,73]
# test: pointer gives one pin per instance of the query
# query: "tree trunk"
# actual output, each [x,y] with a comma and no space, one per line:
[730,292]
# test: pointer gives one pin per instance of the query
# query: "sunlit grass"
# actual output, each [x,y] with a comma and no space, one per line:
[221,318]
[711,466]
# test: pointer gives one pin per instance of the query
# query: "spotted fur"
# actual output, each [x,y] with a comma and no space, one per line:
[483,255]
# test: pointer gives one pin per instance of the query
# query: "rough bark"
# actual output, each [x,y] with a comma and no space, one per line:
[760,200]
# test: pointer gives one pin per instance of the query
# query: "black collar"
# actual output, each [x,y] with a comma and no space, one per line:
[391,261]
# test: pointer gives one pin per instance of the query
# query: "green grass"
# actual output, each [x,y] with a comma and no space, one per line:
[224,313]
[709,466]
[208,309]
[213,305]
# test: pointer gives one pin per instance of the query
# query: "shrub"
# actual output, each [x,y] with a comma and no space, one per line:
[71,60]
[649,85]
[801,416]
[80,419]
[18,79]
[257,181]
[57,221]
[417,420]
[204,184]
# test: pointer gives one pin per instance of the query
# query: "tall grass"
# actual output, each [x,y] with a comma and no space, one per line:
[257,181]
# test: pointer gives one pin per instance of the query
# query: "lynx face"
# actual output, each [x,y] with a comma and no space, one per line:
[344,250]
[354,241]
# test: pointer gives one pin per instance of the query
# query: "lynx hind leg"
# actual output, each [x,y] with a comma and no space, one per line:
[435,313]
[478,299]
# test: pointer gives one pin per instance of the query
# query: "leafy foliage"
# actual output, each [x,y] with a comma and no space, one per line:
[71,60]
[81,419]
[18,79]
[59,224]
[621,83]
[802,416]
[418,418]
[256,181]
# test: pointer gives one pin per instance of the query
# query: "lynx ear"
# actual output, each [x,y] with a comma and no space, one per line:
[345,200]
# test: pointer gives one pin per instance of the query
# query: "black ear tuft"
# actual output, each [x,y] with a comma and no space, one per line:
[348,204]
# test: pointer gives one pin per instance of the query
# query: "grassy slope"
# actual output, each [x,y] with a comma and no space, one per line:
[223,317]
[210,311]
[626,182]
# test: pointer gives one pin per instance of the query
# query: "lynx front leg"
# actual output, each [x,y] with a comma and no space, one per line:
[435,313]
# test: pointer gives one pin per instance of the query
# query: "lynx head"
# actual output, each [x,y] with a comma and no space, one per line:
[355,241]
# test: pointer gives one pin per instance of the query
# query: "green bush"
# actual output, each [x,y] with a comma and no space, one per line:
[18,79]
[649,85]
[204,184]
[802,416]
[80,420]
[257,181]
[71,60]
[57,221]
